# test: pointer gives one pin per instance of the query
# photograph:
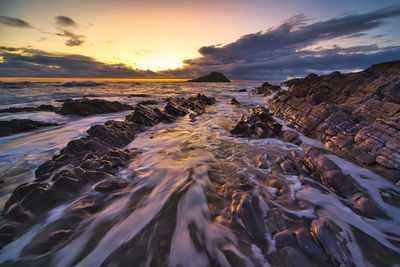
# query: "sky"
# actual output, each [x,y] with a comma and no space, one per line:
[246,40]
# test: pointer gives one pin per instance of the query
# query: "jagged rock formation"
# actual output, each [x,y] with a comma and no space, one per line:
[265,89]
[258,124]
[21,125]
[86,161]
[357,115]
[212,77]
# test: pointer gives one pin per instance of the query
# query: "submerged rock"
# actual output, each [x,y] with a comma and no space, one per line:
[85,107]
[212,77]
[18,126]
[110,185]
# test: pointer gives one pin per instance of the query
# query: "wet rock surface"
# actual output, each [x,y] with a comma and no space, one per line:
[86,107]
[88,160]
[21,125]
[356,114]
[258,124]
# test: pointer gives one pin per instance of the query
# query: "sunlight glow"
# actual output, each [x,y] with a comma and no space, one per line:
[293,77]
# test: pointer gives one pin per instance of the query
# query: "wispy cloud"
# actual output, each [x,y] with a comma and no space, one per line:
[14,22]
[143,52]
[73,39]
[64,21]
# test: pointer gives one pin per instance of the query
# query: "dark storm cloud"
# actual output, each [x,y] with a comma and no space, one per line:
[294,48]
[38,63]
[14,22]
[64,21]
[286,47]
[73,39]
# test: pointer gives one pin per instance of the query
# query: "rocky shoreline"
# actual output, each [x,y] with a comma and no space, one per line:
[86,161]
[355,115]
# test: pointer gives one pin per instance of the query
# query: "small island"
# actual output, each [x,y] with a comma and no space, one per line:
[212,77]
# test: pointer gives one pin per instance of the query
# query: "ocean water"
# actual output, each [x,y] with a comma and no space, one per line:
[154,221]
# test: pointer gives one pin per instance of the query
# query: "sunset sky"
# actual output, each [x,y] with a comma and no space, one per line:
[255,39]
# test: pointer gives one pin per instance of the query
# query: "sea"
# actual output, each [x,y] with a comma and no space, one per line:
[191,230]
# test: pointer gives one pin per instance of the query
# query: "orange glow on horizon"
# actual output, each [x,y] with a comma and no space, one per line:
[39,79]
[293,77]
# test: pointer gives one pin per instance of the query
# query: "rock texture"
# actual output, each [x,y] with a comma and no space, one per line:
[212,77]
[258,124]
[265,89]
[357,115]
[85,107]
[87,161]
[18,126]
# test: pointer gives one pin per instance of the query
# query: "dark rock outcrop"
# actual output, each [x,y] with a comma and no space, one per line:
[265,89]
[235,102]
[80,84]
[49,108]
[85,107]
[258,124]
[212,77]
[195,105]
[18,126]
[85,161]
[357,115]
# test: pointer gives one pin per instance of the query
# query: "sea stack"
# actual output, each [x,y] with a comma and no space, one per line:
[212,77]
